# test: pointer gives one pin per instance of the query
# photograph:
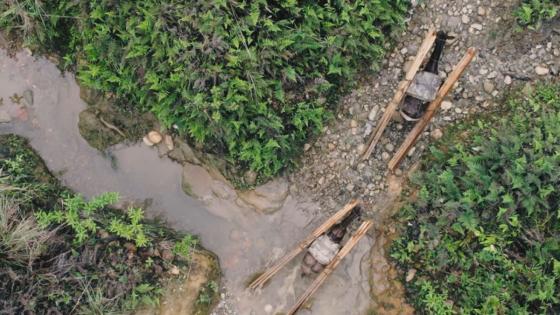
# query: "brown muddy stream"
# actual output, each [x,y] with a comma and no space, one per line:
[244,240]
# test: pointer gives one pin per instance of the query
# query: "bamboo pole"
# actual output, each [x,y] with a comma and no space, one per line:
[262,279]
[331,266]
[399,95]
[432,108]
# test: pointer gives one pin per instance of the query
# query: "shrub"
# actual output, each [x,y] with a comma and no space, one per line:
[250,80]
[484,231]
[532,13]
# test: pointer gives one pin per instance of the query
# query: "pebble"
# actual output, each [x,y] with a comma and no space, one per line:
[481,11]
[477,26]
[353,123]
[541,70]
[169,142]
[507,80]
[390,147]
[155,137]
[4,117]
[436,134]
[268,308]
[385,156]
[373,113]
[174,271]
[306,147]
[410,274]
[446,105]
[465,19]
[488,86]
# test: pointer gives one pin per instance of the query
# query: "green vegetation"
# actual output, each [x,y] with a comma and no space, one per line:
[532,13]
[483,231]
[61,252]
[248,80]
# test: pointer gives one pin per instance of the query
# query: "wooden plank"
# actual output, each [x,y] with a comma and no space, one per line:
[399,95]
[331,266]
[432,108]
[337,217]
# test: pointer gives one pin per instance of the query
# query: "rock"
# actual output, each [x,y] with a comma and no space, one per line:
[373,113]
[167,255]
[4,117]
[306,147]
[147,141]
[436,134]
[385,156]
[465,19]
[481,11]
[407,65]
[488,86]
[267,198]
[250,177]
[183,153]
[477,26]
[154,137]
[541,70]
[168,140]
[507,80]
[268,308]
[410,274]
[353,123]
[389,147]
[446,105]
[174,270]
[350,187]
[28,97]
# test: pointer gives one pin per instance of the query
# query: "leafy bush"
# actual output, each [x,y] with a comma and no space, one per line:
[78,257]
[532,13]
[484,230]
[250,80]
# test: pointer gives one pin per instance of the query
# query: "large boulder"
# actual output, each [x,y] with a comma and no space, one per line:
[267,198]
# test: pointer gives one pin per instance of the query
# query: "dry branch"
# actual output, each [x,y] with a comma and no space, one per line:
[262,279]
[399,95]
[432,108]
[331,266]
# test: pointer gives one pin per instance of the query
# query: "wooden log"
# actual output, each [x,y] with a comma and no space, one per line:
[331,266]
[262,279]
[399,95]
[432,108]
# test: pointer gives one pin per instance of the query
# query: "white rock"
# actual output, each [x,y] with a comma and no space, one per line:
[4,117]
[488,86]
[373,113]
[147,141]
[353,123]
[390,147]
[481,11]
[410,274]
[154,137]
[306,147]
[436,134]
[446,105]
[477,26]
[507,80]
[466,19]
[541,70]
[169,142]
[268,308]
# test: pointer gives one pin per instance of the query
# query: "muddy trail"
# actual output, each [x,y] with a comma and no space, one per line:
[43,105]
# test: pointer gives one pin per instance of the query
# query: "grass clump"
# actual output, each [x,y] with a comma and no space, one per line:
[532,13]
[484,230]
[62,253]
[248,80]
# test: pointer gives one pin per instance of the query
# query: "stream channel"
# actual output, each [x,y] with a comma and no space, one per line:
[244,240]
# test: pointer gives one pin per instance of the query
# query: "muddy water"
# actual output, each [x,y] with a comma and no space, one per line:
[244,240]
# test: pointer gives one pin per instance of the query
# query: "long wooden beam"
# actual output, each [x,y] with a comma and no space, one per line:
[399,95]
[362,230]
[262,279]
[432,108]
